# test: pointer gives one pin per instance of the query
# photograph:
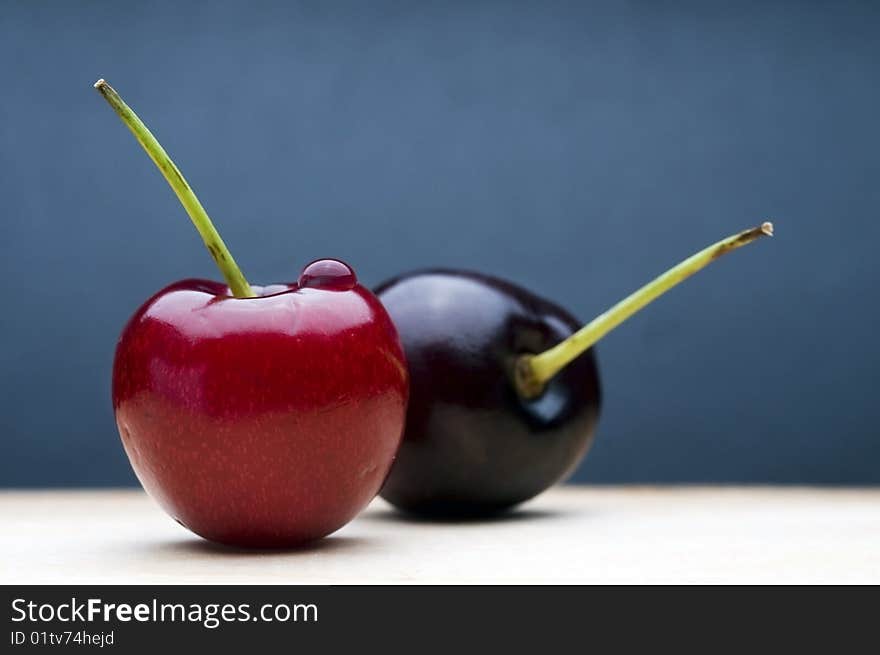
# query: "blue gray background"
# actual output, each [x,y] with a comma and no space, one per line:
[576,148]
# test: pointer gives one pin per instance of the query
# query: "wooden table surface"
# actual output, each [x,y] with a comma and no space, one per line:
[568,535]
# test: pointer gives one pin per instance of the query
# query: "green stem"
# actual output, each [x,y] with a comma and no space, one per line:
[238,285]
[532,372]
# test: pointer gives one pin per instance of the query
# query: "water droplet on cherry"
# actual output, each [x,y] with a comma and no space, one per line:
[329,275]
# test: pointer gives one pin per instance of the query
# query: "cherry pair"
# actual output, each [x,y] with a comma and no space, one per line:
[270,416]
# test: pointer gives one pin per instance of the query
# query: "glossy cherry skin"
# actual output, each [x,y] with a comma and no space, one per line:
[261,422]
[472,446]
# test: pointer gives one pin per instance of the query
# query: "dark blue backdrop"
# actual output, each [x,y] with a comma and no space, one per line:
[577,148]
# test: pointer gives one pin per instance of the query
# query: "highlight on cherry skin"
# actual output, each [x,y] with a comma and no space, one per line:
[257,416]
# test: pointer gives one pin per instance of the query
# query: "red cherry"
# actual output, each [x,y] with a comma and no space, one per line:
[257,416]
[328,274]
[265,421]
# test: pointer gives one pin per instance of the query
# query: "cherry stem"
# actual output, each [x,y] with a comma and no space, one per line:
[532,372]
[238,285]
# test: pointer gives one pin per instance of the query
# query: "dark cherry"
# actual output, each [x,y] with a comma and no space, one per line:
[504,387]
[474,445]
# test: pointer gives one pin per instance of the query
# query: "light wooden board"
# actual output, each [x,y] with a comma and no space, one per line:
[568,535]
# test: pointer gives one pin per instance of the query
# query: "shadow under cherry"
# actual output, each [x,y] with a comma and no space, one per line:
[392,515]
[196,546]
